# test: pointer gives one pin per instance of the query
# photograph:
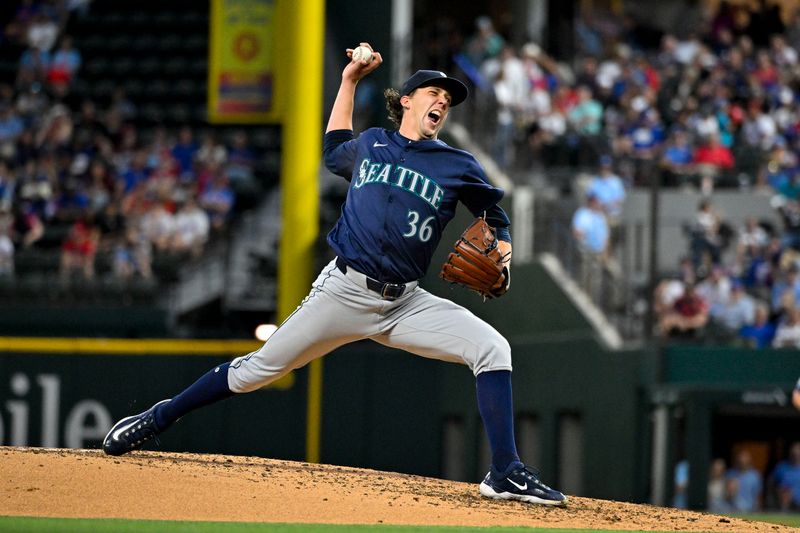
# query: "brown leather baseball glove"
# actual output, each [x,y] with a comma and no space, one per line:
[476,262]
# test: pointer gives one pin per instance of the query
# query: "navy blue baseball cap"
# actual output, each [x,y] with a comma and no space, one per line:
[426,78]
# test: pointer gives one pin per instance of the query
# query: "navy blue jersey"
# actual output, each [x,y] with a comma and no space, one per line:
[402,195]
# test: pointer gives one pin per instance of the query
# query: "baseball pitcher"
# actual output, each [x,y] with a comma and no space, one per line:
[405,184]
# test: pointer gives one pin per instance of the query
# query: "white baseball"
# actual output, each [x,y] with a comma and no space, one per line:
[362,53]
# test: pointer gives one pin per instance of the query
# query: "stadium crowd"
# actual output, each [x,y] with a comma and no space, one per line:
[717,108]
[82,179]
[712,108]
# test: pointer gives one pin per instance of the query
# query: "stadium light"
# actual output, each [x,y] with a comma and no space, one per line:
[264,331]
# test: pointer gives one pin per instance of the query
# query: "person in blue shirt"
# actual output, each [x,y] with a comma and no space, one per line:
[760,333]
[184,151]
[787,479]
[590,227]
[609,189]
[747,482]
[677,160]
[405,185]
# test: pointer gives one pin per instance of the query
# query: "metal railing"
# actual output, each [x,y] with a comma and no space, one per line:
[607,282]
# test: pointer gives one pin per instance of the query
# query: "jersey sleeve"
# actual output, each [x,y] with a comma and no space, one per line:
[339,152]
[481,199]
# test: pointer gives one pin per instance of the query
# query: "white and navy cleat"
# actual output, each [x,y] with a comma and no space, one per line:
[132,432]
[520,484]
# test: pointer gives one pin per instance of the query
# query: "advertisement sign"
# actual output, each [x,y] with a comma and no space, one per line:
[71,400]
[242,64]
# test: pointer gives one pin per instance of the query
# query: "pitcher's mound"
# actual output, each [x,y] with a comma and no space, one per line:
[173,486]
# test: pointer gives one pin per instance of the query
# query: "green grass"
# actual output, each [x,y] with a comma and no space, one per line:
[787,519]
[14,524]
[9,524]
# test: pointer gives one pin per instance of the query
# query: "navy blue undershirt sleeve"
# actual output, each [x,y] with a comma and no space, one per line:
[339,152]
[497,218]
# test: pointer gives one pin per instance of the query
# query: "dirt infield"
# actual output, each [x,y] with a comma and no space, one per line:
[171,486]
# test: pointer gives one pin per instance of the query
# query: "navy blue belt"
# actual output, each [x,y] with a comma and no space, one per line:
[388,291]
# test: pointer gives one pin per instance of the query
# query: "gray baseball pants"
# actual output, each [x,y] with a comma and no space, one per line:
[341,309]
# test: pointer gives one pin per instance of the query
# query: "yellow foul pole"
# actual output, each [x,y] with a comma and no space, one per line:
[301,153]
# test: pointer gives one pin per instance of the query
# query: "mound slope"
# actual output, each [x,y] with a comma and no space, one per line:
[173,486]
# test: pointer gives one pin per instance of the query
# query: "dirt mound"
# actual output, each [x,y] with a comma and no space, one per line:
[172,486]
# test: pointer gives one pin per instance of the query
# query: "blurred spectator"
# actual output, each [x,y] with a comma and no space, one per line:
[64,66]
[787,335]
[712,158]
[789,211]
[688,315]
[790,189]
[42,32]
[6,245]
[25,225]
[135,174]
[609,189]
[184,151]
[122,105]
[241,160]
[705,239]
[159,147]
[733,315]
[191,228]
[210,152]
[56,131]
[760,333]
[73,201]
[163,180]
[78,250]
[677,161]
[715,289]
[218,200]
[786,288]
[590,228]
[34,65]
[132,256]
[485,43]
[100,188]
[508,108]
[783,54]
[17,29]
[718,492]
[680,498]
[8,184]
[11,127]
[787,479]
[587,115]
[666,294]
[87,121]
[752,238]
[747,483]
[158,226]
[646,136]
[111,224]
[779,164]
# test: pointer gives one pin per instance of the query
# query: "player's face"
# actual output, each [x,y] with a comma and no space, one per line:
[425,114]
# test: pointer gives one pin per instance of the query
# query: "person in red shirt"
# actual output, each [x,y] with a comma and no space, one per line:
[711,159]
[689,313]
[79,249]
